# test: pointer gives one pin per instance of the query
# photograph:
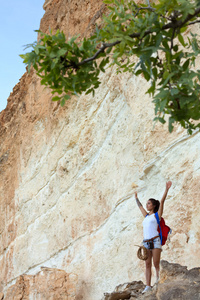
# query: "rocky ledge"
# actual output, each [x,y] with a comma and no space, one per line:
[176,282]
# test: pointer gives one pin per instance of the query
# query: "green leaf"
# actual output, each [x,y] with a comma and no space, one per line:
[168,78]
[107,1]
[108,50]
[175,48]
[61,52]
[36,50]
[151,90]
[89,91]
[186,64]
[174,91]
[155,73]
[163,104]
[56,98]
[170,125]
[66,97]
[165,44]
[161,120]
[62,102]
[181,40]
[122,47]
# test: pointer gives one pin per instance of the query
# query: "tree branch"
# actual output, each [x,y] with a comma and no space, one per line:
[101,50]
[173,24]
[179,24]
[191,23]
[172,39]
[143,8]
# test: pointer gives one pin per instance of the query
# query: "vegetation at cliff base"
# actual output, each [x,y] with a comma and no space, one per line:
[145,39]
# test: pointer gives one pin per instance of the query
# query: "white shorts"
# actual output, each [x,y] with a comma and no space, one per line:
[156,244]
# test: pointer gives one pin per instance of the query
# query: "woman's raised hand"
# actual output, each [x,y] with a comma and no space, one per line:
[168,185]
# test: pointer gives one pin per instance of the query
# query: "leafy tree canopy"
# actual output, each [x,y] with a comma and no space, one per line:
[145,39]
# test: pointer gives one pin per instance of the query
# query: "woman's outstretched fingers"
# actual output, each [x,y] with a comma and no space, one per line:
[168,185]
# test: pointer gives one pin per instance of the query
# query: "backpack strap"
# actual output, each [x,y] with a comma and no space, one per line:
[158,221]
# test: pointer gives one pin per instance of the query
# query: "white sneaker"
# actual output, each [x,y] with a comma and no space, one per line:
[157,280]
[147,289]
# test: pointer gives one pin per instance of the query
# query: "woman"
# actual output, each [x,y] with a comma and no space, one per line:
[151,235]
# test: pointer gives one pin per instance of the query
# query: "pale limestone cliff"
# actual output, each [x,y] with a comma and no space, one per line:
[68,176]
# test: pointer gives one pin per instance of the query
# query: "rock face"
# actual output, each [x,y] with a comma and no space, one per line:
[68,176]
[49,284]
[176,282]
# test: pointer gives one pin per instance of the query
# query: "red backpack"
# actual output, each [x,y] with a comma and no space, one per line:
[163,229]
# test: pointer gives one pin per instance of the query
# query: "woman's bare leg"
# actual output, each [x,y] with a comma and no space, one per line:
[148,263]
[156,260]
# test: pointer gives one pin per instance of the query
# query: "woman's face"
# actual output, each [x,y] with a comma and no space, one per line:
[149,205]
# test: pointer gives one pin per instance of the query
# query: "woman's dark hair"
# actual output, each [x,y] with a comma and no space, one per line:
[155,203]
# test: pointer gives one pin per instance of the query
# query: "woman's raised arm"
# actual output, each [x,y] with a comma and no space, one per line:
[143,211]
[161,207]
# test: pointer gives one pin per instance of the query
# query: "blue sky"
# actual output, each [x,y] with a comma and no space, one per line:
[19,19]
